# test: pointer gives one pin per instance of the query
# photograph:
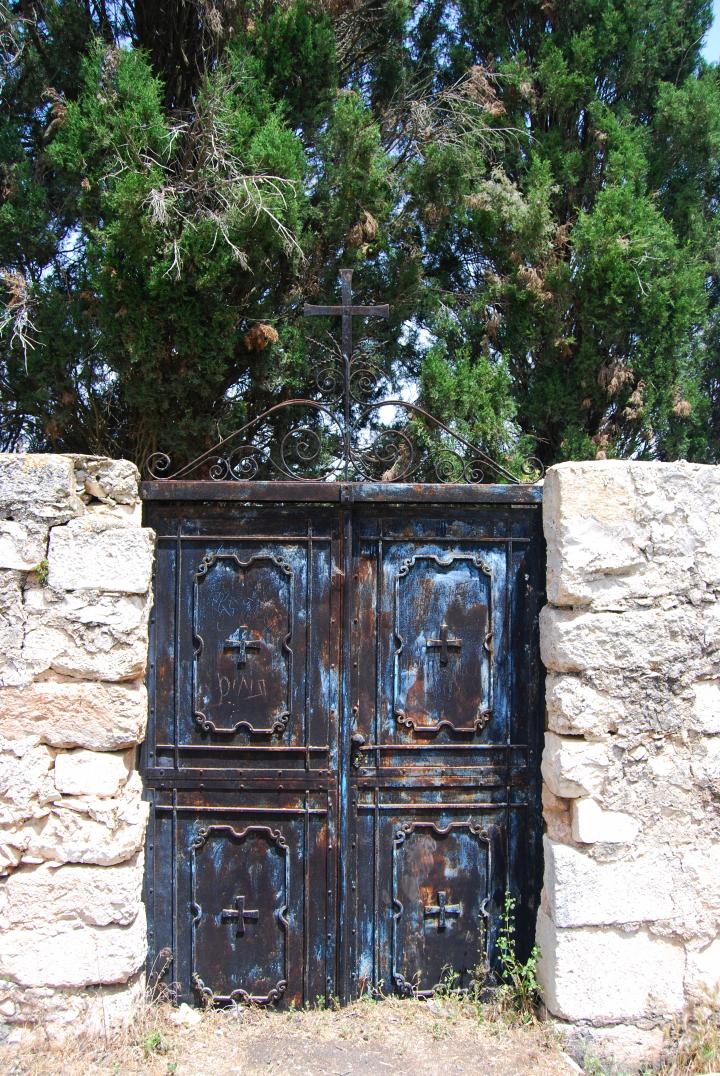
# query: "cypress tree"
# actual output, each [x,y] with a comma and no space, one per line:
[531,185]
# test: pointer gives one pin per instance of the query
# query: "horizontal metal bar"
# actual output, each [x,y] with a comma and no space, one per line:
[461,777]
[436,805]
[279,538]
[443,747]
[246,782]
[426,493]
[320,749]
[434,539]
[261,810]
[251,781]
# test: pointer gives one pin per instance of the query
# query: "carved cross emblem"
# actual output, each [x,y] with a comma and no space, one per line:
[240,640]
[442,910]
[444,644]
[240,915]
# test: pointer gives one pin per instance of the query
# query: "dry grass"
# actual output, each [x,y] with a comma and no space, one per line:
[694,1040]
[444,1036]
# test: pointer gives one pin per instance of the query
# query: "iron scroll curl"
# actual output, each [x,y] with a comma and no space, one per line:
[341,436]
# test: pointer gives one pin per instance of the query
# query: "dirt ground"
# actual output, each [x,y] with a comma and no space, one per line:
[397,1038]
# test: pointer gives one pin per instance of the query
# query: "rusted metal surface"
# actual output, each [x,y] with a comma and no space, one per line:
[341,492]
[343,748]
[346,430]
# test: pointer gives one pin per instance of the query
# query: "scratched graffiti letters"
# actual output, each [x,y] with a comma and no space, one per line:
[241,687]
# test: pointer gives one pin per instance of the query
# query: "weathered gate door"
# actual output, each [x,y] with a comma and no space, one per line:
[344,727]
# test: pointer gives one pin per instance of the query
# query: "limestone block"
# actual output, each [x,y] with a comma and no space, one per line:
[701,869]
[707,705]
[589,523]
[95,896]
[43,1014]
[26,784]
[71,713]
[574,708]
[123,613]
[38,487]
[556,816]
[621,531]
[22,545]
[12,624]
[71,953]
[582,892]
[625,1045]
[573,767]
[110,481]
[591,824]
[680,505]
[86,635]
[703,968]
[96,553]
[10,856]
[705,765]
[92,773]
[634,639]
[605,976]
[711,630]
[88,830]
[671,765]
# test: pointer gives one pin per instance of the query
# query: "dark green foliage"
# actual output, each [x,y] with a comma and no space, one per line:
[532,186]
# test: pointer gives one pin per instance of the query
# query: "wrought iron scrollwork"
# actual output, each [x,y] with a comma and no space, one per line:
[340,436]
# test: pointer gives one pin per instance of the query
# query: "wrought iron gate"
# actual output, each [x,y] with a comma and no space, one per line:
[345,723]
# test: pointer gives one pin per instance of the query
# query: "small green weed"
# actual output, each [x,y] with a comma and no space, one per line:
[41,572]
[327,1001]
[519,990]
[154,1043]
[594,1066]
[449,985]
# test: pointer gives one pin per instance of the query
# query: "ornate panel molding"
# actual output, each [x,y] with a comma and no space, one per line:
[241,640]
[448,648]
[200,841]
[444,910]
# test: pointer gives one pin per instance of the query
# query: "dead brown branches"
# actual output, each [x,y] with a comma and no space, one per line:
[15,316]
[201,181]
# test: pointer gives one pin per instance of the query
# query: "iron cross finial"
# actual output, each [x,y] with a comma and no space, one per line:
[347,311]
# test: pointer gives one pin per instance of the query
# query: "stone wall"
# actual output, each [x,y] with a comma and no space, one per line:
[629,927]
[75,577]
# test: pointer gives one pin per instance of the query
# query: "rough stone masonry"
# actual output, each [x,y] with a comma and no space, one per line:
[75,579]
[629,927]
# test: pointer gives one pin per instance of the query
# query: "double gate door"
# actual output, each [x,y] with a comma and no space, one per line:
[342,754]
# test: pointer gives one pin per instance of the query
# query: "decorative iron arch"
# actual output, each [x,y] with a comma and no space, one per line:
[337,437]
